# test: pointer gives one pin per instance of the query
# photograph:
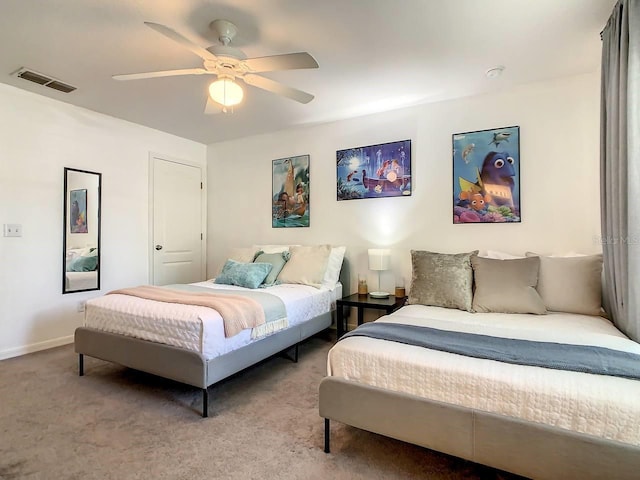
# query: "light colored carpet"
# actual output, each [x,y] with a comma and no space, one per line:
[116,423]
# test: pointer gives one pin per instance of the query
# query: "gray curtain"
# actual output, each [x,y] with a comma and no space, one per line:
[620,166]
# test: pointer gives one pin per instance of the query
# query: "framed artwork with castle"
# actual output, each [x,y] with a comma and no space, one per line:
[486,176]
[374,171]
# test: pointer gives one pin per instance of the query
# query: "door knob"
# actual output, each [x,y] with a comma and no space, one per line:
[158,247]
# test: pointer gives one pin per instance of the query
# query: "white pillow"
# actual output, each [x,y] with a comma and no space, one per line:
[334,265]
[306,265]
[273,248]
[501,255]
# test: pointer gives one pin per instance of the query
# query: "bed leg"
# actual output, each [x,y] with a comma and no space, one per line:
[205,403]
[80,364]
[286,354]
[327,434]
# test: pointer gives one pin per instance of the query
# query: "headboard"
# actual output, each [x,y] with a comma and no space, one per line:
[345,277]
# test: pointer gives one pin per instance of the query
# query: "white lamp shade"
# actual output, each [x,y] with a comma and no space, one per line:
[226,92]
[379,258]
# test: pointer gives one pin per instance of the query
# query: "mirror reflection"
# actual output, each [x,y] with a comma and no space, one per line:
[81,255]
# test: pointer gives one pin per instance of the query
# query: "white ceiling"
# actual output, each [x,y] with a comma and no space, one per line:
[374,55]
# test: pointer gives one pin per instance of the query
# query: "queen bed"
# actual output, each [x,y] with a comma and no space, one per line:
[532,420]
[190,343]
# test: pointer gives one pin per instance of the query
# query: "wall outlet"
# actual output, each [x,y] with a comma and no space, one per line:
[81,306]
[12,230]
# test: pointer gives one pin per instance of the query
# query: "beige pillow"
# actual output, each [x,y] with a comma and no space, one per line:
[571,284]
[240,254]
[507,286]
[307,265]
[441,280]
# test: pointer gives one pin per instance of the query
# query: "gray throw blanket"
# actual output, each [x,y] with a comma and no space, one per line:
[559,356]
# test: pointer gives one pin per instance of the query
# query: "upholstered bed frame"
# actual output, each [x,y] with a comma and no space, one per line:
[191,367]
[525,448]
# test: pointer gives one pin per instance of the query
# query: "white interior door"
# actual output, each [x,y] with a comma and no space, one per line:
[177,223]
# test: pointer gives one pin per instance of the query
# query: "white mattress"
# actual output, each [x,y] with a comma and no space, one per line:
[81,280]
[599,405]
[192,327]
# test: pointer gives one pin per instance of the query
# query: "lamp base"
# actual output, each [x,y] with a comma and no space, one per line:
[379,294]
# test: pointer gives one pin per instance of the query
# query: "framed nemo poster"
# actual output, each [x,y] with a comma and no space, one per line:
[486,176]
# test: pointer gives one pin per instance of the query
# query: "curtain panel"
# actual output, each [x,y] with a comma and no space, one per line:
[620,166]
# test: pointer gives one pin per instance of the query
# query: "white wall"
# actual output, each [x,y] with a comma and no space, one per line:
[559,131]
[38,138]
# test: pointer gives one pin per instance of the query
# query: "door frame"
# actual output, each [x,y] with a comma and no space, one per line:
[203,208]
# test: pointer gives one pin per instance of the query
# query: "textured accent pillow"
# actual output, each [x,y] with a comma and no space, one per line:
[249,275]
[507,286]
[441,279]
[307,265]
[277,261]
[571,284]
[334,265]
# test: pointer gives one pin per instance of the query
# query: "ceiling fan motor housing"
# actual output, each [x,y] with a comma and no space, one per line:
[225,30]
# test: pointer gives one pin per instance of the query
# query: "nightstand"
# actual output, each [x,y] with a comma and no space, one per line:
[361,302]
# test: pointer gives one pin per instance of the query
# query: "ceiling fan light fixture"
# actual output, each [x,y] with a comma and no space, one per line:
[226,92]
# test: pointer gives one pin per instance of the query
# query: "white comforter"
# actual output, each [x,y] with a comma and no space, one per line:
[191,327]
[599,405]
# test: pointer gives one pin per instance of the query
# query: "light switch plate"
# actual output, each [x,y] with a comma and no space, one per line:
[12,230]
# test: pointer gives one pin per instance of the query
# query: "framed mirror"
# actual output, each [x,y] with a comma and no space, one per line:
[81,244]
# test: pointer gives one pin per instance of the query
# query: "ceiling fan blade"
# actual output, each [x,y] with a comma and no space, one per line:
[212,107]
[163,73]
[277,87]
[185,42]
[289,61]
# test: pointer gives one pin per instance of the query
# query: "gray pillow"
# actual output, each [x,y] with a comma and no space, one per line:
[507,286]
[441,280]
[277,260]
[571,284]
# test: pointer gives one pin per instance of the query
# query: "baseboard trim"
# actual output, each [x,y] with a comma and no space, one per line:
[35,347]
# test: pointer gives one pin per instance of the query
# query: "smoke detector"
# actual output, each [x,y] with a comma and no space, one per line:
[495,72]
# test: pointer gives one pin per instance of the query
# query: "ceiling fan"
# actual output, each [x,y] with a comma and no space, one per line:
[230,64]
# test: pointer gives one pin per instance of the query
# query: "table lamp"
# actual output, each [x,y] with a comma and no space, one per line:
[379,260]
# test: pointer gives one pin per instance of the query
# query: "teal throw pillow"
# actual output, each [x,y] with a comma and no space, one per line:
[277,260]
[83,264]
[249,275]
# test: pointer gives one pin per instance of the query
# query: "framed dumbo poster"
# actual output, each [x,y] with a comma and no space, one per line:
[486,176]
